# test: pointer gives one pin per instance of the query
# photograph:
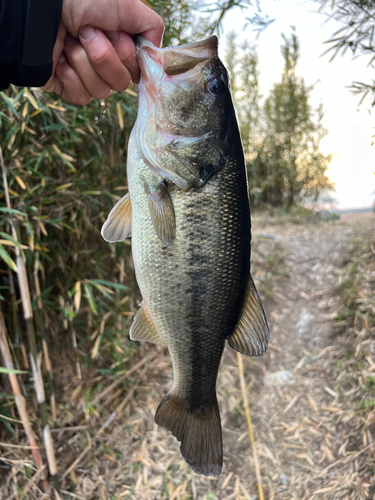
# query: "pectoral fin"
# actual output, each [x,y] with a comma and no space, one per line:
[143,328]
[162,214]
[118,225]
[251,334]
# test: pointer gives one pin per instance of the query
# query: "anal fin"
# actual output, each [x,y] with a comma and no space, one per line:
[143,328]
[251,334]
[162,214]
[118,225]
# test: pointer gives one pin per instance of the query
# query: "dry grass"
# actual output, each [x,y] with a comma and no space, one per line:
[312,439]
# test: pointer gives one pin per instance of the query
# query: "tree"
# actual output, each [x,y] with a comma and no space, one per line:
[183,24]
[242,66]
[357,18]
[280,136]
[293,131]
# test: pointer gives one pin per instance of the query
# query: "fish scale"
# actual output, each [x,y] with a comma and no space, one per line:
[190,225]
[193,290]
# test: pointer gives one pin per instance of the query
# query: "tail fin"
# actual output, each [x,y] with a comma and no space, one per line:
[199,433]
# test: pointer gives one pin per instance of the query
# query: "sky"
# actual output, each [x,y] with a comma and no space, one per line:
[350,125]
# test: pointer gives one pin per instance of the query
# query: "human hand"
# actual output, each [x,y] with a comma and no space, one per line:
[94,52]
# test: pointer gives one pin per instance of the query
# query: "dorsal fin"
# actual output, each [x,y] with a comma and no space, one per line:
[162,214]
[118,225]
[143,328]
[251,334]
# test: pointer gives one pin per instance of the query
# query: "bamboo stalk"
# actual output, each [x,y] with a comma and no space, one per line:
[28,315]
[41,326]
[75,347]
[15,318]
[122,274]
[17,332]
[23,284]
[51,459]
[249,426]
[19,399]
[76,305]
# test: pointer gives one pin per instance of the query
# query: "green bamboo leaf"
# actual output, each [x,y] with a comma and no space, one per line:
[110,284]
[18,96]
[70,228]
[10,135]
[64,186]
[7,259]
[3,420]
[29,228]
[87,163]
[11,370]
[5,117]
[63,158]
[90,298]
[102,289]
[40,159]
[67,162]
[15,242]
[54,126]
[31,98]
[12,211]
[10,103]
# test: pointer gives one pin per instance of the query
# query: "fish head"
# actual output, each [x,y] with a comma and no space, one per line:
[185,111]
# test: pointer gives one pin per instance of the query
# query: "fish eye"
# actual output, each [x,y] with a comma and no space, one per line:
[216,86]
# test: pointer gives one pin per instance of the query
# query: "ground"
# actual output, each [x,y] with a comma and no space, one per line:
[309,441]
[304,433]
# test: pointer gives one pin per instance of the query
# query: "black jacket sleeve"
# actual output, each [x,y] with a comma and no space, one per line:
[28,30]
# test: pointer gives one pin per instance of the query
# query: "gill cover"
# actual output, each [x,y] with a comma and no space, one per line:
[184,111]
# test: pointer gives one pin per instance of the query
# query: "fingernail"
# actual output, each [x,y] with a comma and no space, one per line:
[87,32]
[62,59]
[112,36]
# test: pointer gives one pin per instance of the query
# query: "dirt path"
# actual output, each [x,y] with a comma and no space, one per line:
[303,433]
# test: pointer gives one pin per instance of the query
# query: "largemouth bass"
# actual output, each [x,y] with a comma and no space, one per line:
[188,213]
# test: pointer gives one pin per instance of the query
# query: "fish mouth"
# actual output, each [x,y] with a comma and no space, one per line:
[175,61]
[164,71]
